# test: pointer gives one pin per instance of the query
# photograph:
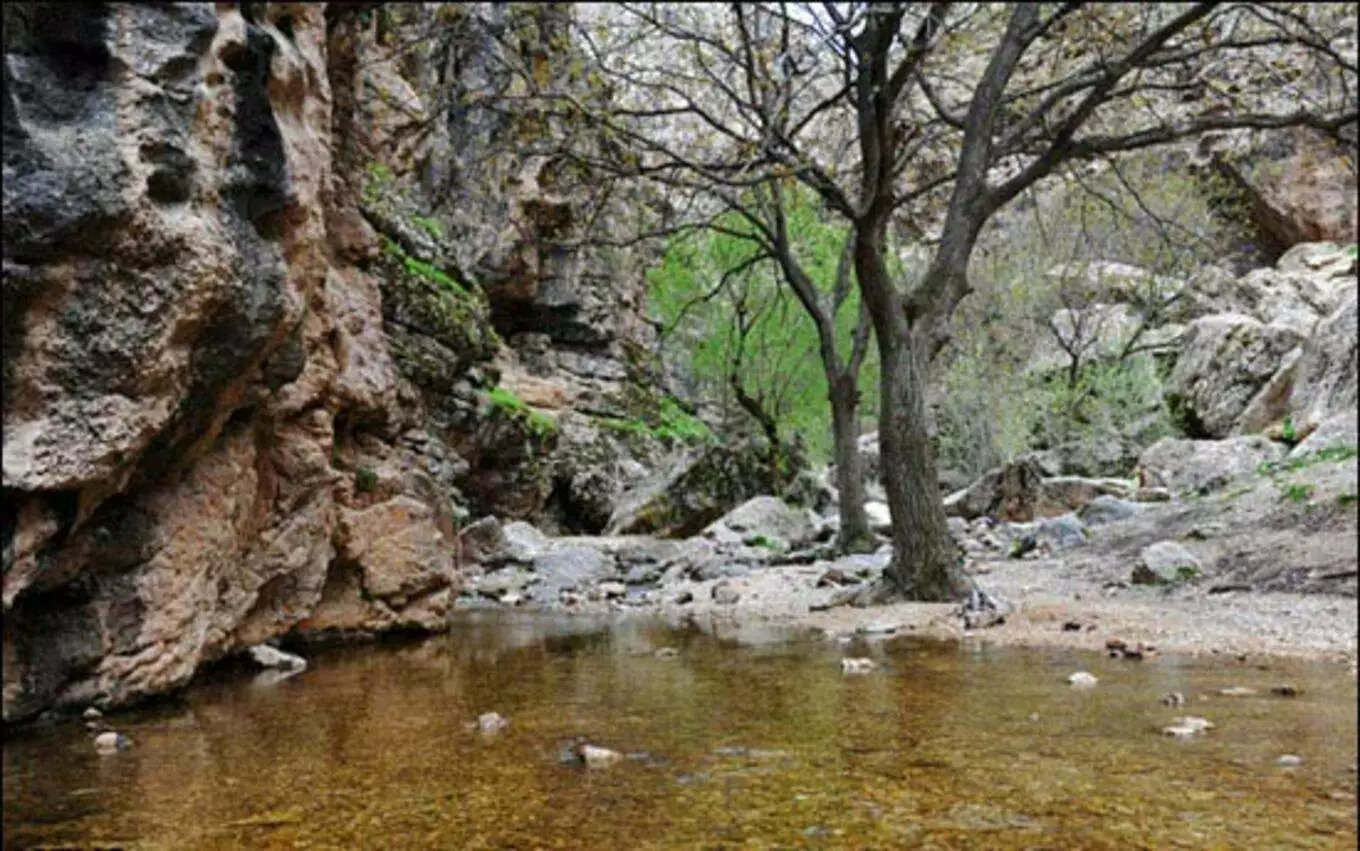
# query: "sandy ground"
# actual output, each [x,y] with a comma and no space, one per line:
[1295,562]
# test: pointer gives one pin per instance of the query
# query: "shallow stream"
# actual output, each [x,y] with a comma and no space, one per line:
[753,739]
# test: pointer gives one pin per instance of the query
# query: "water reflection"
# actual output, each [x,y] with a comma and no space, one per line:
[750,735]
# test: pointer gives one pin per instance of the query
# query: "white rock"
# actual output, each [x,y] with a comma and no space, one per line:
[92,714]
[511,598]
[857,666]
[491,722]
[1188,725]
[1082,679]
[111,742]
[1237,691]
[596,757]
[611,590]
[879,628]
[1289,760]
[272,657]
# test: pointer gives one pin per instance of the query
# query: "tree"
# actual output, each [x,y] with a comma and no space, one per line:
[722,293]
[929,119]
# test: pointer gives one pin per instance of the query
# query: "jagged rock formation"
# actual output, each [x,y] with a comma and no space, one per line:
[246,368]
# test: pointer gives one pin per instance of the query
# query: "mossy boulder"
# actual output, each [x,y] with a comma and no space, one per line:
[698,488]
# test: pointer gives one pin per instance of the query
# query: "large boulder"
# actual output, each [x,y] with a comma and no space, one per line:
[1225,361]
[569,569]
[597,459]
[698,488]
[1021,491]
[1201,466]
[1307,194]
[1325,383]
[764,521]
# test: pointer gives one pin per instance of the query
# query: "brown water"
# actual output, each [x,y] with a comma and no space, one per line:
[756,741]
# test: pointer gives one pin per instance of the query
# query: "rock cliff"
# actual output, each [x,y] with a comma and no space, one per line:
[254,375]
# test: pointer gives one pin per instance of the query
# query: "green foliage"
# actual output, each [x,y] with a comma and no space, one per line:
[1296,492]
[994,403]
[1301,492]
[1345,500]
[421,269]
[670,424]
[365,480]
[1186,572]
[380,179]
[540,425]
[780,363]
[1326,455]
[1288,432]
[430,225]
[763,542]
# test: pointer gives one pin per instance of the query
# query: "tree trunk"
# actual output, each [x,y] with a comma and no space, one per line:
[855,535]
[924,565]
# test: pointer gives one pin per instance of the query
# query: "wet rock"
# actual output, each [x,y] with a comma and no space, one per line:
[1188,726]
[491,722]
[593,756]
[1173,698]
[684,598]
[1082,679]
[271,657]
[1285,690]
[111,742]
[1165,563]
[857,666]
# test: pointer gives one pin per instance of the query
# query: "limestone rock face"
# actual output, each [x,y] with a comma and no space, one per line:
[1325,383]
[203,447]
[692,492]
[248,365]
[1225,361]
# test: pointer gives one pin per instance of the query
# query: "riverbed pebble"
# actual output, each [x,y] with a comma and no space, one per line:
[856,666]
[598,757]
[111,742]
[92,714]
[491,722]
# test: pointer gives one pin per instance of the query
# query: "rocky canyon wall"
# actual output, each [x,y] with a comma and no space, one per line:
[273,328]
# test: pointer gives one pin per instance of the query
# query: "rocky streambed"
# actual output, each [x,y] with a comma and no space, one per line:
[725,735]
